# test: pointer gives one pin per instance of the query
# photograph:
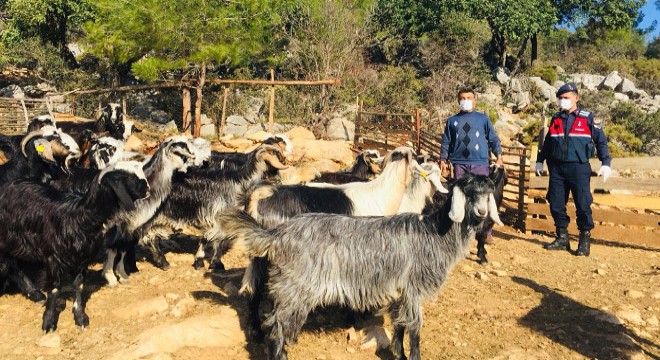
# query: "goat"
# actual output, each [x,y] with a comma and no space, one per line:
[100,152]
[172,156]
[362,169]
[363,262]
[420,192]
[498,176]
[197,198]
[11,144]
[111,122]
[43,151]
[59,232]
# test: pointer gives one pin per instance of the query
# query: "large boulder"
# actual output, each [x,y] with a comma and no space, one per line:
[12,91]
[515,85]
[207,130]
[235,125]
[340,129]
[611,81]
[588,81]
[501,75]
[300,133]
[652,148]
[506,130]
[547,91]
[521,100]
[626,87]
[258,136]
[557,84]
[621,97]
[314,150]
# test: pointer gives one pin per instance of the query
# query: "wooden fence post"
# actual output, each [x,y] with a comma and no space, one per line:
[73,104]
[271,109]
[123,103]
[520,221]
[224,110]
[418,125]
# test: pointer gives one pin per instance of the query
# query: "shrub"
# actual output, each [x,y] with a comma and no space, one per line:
[548,73]
[622,142]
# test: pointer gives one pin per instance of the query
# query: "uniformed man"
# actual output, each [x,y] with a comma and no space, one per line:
[572,136]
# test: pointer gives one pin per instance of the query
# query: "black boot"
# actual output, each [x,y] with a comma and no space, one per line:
[584,244]
[561,241]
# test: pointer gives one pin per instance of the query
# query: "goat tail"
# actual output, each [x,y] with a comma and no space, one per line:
[245,233]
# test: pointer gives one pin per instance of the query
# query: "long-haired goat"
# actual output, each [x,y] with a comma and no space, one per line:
[498,176]
[110,123]
[174,155]
[363,262]
[200,195]
[10,145]
[362,169]
[60,232]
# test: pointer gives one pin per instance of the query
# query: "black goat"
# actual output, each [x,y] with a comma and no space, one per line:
[363,262]
[59,232]
[110,123]
[362,169]
[10,145]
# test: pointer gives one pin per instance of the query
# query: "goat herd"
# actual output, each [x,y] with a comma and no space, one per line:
[69,193]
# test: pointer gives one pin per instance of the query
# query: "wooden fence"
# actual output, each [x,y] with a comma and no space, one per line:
[15,114]
[384,131]
[621,224]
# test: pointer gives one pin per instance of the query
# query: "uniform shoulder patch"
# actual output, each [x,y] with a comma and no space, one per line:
[598,122]
[584,113]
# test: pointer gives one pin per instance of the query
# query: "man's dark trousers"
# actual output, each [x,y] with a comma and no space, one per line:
[573,177]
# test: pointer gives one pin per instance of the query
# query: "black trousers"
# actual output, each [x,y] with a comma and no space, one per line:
[575,178]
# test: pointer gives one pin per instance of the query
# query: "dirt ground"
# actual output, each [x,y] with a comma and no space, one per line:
[527,303]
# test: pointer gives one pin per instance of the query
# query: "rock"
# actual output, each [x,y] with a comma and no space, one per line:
[235,125]
[133,143]
[351,336]
[75,50]
[496,264]
[499,273]
[300,133]
[169,127]
[259,136]
[630,315]
[501,75]
[221,329]
[325,166]
[340,129]
[506,130]
[515,85]
[560,70]
[521,99]
[375,337]
[207,120]
[548,91]
[626,87]
[254,109]
[207,130]
[641,95]
[605,317]
[601,272]
[482,276]
[313,150]
[634,294]
[160,117]
[62,108]
[51,340]
[653,321]
[182,307]
[39,90]
[621,97]
[557,84]
[350,350]
[519,260]
[142,309]
[239,144]
[611,81]
[12,91]
[588,81]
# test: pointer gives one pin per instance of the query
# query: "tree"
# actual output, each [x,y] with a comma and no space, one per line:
[50,20]
[166,39]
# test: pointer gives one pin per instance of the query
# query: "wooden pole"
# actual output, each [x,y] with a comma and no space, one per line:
[271,110]
[186,108]
[73,104]
[520,222]
[418,125]
[123,103]
[223,118]
[198,101]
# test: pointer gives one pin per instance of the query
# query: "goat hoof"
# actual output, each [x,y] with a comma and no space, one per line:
[199,264]
[37,297]
[82,321]
[48,327]
[163,264]
[124,281]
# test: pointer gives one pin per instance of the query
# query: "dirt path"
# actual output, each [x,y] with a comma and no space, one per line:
[527,304]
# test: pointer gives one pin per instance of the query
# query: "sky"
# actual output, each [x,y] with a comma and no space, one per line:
[651,13]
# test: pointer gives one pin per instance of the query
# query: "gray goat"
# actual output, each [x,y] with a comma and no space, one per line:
[363,262]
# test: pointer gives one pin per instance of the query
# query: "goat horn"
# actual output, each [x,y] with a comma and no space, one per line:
[274,161]
[105,171]
[29,137]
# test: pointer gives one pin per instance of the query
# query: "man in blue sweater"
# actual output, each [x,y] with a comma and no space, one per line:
[468,137]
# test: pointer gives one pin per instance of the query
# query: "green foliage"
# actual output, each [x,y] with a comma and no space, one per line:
[169,35]
[548,73]
[621,43]
[394,89]
[531,133]
[644,126]
[653,49]
[622,142]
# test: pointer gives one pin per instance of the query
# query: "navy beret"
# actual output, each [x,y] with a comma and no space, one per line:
[566,88]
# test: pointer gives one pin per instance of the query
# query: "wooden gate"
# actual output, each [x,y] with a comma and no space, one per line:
[384,131]
[15,114]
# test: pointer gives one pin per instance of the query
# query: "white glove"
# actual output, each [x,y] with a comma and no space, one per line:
[605,171]
[539,169]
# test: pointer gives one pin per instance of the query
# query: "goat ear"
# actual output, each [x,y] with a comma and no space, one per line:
[125,200]
[458,200]
[493,211]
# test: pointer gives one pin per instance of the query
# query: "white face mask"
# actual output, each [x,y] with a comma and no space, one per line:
[465,105]
[565,104]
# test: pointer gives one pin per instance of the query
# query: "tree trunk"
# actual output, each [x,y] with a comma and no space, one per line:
[535,50]
[198,101]
[185,90]
[521,52]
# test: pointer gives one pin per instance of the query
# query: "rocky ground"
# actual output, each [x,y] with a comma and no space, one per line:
[526,304]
